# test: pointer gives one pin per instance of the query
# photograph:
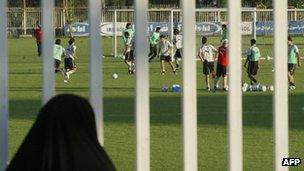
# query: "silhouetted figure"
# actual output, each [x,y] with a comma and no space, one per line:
[63,138]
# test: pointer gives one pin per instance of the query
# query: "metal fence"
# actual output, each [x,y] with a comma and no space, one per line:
[23,21]
[142,82]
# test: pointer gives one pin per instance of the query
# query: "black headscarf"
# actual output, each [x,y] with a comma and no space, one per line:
[63,138]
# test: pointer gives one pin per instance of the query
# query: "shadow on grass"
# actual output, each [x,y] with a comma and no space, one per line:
[257,110]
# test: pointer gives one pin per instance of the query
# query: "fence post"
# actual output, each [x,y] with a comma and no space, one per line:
[171,29]
[114,41]
[4,110]
[280,101]
[254,23]
[142,88]
[235,94]
[48,75]
[96,97]
[189,86]
[24,17]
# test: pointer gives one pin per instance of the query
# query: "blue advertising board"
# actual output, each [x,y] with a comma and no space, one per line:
[106,29]
[266,27]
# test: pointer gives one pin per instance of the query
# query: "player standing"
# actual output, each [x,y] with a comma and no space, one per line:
[221,69]
[253,57]
[38,33]
[177,42]
[154,40]
[224,34]
[293,60]
[58,53]
[129,53]
[206,55]
[165,50]
[69,61]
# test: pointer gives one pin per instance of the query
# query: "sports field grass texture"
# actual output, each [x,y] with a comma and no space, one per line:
[166,129]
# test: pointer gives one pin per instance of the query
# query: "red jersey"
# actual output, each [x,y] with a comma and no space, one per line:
[223,55]
[38,33]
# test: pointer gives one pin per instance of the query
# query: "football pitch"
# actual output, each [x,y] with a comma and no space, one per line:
[25,92]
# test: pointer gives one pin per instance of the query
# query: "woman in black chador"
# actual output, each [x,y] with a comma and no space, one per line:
[63,138]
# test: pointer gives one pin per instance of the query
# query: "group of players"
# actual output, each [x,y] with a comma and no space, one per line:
[161,47]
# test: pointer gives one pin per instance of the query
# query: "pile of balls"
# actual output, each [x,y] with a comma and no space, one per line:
[257,87]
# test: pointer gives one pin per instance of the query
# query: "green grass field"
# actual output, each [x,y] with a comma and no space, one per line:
[166,128]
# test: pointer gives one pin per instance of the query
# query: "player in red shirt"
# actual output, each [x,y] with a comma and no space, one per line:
[221,70]
[38,33]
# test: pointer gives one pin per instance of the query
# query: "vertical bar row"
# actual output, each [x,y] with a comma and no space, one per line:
[234,81]
[280,101]
[3,86]
[48,76]
[189,86]
[142,88]
[96,66]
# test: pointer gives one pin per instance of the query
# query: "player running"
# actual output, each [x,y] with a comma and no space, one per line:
[130,32]
[293,60]
[59,52]
[253,57]
[177,42]
[165,50]
[154,40]
[207,56]
[69,61]
[221,69]
[129,53]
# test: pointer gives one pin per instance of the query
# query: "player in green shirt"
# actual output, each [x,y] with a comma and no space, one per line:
[224,34]
[58,54]
[130,32]
[154,40]
[293,60]
[253,57]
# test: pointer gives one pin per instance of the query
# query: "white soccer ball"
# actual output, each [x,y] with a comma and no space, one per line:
[264,88]
[271,88]
[115,76]
[244,88]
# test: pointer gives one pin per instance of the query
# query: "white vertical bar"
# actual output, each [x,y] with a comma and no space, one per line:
[235,93]
[3,86]
[48,75]
[142,87]
[172,24]
[172,29]
[189,83]
[254,23]
[115,33]
[280,100]
[96,66]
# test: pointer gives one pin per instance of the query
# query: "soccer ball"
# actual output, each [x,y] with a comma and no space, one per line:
[165,89]
[271,88]
[264,88]
[244,89]
[114,76]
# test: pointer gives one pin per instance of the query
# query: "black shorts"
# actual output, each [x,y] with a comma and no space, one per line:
[292,68]
[253,67]
[178,54]
[165,58]
[129,56]
[221,70]
[57,63]
[208,67]
[69,63]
